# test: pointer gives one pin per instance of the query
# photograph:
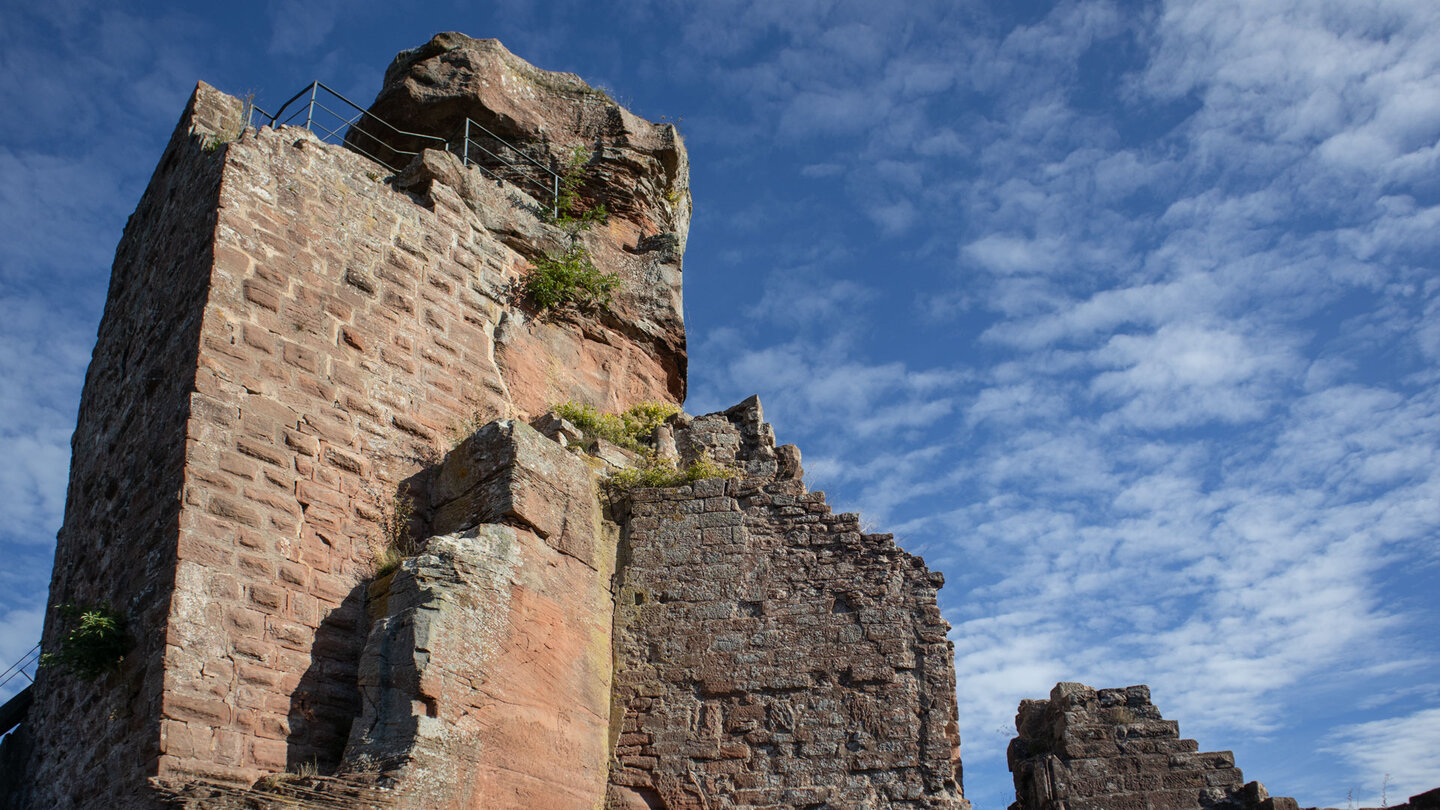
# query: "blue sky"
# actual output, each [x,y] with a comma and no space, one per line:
[1125,315]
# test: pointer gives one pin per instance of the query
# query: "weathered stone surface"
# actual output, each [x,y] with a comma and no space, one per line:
[487,683]
[639,171]
[770,654]
[642,172]
[94,744]
[1085,749]
[507,472]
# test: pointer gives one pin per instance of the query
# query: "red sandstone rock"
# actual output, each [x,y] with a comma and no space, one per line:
[639,172]
[487,685]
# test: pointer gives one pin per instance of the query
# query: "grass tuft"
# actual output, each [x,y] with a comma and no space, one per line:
[630,429]
[654,471]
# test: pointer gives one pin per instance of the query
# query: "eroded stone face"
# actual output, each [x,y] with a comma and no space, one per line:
[642,168]
[486,683]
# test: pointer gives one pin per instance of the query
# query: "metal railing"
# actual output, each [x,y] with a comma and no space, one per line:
[13,709]
[27,661]
[336,119]
[548,182]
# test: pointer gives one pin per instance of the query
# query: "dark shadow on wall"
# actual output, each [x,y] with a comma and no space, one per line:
[326,702]
[327,698]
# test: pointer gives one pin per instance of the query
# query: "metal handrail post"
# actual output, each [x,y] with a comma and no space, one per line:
[310,112]
[555,201]
[465,158]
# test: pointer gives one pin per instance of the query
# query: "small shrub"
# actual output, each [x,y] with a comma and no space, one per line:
[629,429]
[641,420]
[387,560]
[568,213]
[569,277]
[653,471]
[94,644]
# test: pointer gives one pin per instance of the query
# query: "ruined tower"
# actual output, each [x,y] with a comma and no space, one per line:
[300,339]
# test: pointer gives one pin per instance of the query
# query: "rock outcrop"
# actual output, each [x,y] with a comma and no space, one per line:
[637,169]
[486,681]
[641,168]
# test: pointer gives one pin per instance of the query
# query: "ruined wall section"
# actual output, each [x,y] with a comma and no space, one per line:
[768,651]
[95,743]
[1110,749]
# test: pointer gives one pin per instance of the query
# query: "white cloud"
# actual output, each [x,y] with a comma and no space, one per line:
[1398,755]
[1188,374]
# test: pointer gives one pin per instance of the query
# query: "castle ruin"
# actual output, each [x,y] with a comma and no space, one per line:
[295,336]
[315,355]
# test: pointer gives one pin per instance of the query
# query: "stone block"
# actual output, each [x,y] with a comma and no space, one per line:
[508,472]
[490,664]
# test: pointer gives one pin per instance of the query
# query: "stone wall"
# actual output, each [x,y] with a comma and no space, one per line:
[1110,749]
[292,337]
[94,744]
[770,654]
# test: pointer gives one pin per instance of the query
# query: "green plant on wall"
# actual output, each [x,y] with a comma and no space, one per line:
[399,539]
[94,642]
[569,212]
[653,471]
[628,429]
[633,429]
[569,277]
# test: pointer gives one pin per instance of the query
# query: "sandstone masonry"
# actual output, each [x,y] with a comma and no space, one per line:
[770,654]
[288,339]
